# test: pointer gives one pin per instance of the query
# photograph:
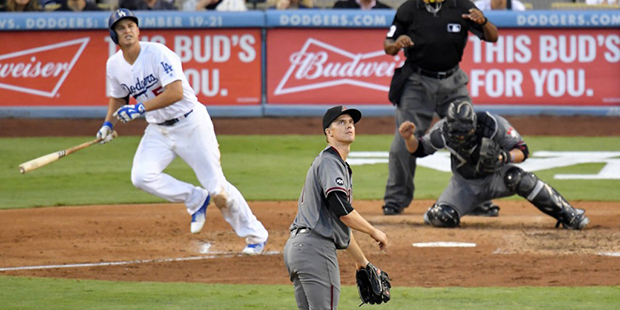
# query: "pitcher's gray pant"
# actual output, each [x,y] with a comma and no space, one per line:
[312,264]
[423,96]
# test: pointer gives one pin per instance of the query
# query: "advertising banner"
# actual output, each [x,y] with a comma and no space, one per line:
[545,67]
[328,66]
[68,68]
[526,67]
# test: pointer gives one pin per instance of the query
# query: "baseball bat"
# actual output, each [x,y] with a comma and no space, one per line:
[52,157]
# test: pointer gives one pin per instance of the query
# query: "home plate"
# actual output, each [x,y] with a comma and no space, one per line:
[443,244]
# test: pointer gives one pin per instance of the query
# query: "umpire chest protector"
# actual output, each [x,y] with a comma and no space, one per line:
[440,37]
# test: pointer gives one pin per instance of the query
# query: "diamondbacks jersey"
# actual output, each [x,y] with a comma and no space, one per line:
[328,173]
[463,161]
[155,67]
[439,39]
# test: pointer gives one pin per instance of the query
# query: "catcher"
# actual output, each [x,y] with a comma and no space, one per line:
[323,225]
[483,147]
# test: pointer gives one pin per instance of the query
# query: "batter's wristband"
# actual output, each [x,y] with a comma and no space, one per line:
[486,20]
[108,124]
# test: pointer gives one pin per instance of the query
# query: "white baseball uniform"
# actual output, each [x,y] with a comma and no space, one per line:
[181,129]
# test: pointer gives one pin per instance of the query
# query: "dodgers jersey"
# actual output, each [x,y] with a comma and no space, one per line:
[155,67]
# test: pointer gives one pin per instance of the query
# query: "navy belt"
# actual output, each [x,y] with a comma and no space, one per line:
[173,121]
[299,231]
[436,75]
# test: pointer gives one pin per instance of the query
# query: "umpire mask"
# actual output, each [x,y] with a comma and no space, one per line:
[460,125]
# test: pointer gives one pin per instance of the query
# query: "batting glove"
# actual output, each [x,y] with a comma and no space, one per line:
[129,112]
[105,133]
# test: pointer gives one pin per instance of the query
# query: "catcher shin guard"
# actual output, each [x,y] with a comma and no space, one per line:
[545,198]
[442,215]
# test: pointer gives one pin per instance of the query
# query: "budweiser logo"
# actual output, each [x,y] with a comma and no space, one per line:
[37,71]
[319,65]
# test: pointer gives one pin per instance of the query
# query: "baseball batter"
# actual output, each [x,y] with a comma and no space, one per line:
[483,147]
[178,125]
[325,218]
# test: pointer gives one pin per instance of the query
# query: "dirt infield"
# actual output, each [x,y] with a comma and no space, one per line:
[521,247]
[153,243]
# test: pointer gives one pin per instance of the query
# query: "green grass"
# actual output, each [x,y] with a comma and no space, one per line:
[262,167]
[35,293]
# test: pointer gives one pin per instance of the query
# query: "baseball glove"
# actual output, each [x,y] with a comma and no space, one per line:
[488,161]
[373,285]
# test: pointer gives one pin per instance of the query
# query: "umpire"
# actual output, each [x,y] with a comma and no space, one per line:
[433,34]
[325,217]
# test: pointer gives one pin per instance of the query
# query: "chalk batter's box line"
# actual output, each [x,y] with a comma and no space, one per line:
[146,261]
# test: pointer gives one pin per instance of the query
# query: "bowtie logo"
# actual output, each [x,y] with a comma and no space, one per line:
[320,65]
[38,71]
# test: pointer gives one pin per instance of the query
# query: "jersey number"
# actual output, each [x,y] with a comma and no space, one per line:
[158,91]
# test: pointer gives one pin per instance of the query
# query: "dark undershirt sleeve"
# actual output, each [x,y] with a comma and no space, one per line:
[338,203]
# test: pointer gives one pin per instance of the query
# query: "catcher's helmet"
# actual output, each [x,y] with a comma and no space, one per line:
[460,125]
[115,17]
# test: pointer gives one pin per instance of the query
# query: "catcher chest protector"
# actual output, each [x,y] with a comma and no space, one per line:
[115,17]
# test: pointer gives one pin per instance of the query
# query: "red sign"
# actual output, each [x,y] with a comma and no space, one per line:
[526,66]
[328,66]
[545,67]
[68,68]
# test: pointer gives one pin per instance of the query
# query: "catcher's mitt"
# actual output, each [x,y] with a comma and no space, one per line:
[373,285]
[488,161]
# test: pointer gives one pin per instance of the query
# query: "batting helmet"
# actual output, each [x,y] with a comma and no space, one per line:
[460,125]
[117,16]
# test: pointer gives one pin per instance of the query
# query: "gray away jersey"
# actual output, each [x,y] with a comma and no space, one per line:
[328,173]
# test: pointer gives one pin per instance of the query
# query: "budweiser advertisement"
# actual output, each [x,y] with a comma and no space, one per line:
[68,68]
[526,66]
[327,66]
[545,67]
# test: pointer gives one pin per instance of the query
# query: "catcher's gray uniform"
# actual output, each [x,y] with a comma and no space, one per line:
[468,187]
[317,232]
[479,177]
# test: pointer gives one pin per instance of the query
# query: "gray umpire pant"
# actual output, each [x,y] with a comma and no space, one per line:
[312,264]
[423,96]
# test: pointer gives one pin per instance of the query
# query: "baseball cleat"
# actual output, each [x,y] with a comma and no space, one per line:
[254,248]
[488,209]
[200,217]
[391,210]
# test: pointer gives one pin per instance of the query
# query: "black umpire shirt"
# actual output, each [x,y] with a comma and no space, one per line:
[439,39]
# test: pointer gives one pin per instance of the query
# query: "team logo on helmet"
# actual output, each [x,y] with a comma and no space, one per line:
[116,17]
